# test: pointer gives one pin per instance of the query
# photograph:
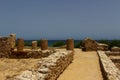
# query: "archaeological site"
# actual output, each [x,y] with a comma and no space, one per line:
[92,61]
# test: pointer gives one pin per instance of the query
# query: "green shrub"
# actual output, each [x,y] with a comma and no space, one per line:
[58,44]
[78,44]
[27,43]
[110,43]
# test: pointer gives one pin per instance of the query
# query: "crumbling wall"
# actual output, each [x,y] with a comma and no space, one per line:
[109,70]
[115,49]
[48,68]
[109,53]
[31,54]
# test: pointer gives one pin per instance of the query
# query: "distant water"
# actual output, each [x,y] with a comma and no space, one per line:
[50,42]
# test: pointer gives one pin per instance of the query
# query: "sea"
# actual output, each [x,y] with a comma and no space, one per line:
[51,42]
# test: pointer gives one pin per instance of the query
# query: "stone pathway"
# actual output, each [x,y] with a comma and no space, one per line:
[85,66]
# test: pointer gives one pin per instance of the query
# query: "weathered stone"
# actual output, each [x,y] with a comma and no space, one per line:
[70,44]
[44,44]
[34,44]
[13,40]
[109,70]
[49,68]
[115,49]
[102,47]
[20,44]
[30,54]
[89,45]
[5,46]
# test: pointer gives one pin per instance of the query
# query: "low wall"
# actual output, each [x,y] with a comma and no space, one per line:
[109,53]
[48,68]
[31,54]
[27,54]
[109,70]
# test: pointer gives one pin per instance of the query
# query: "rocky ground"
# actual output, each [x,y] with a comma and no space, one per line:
[12,67]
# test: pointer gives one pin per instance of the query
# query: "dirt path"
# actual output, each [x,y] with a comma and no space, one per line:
[85,66]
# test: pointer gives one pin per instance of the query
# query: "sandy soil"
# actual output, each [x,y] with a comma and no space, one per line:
[12,67]
[85,66]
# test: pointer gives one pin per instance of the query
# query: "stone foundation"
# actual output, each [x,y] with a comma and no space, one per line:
[109,70]
[49,68]
[31,54]
[109,53]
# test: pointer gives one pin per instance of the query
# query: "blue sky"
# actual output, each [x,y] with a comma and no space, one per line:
[60,19]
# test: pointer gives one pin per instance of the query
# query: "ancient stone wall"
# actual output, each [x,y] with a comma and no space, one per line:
[109,70]
[31,54]
[109,53]
[115,49]
[48,68]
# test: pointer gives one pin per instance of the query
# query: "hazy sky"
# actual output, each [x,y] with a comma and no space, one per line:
[60,19]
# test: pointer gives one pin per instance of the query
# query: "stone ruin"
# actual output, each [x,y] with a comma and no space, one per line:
[91,45]
[53,62]
[9,49]
[115,49]
[48,68]
[108,68]
[7,44]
